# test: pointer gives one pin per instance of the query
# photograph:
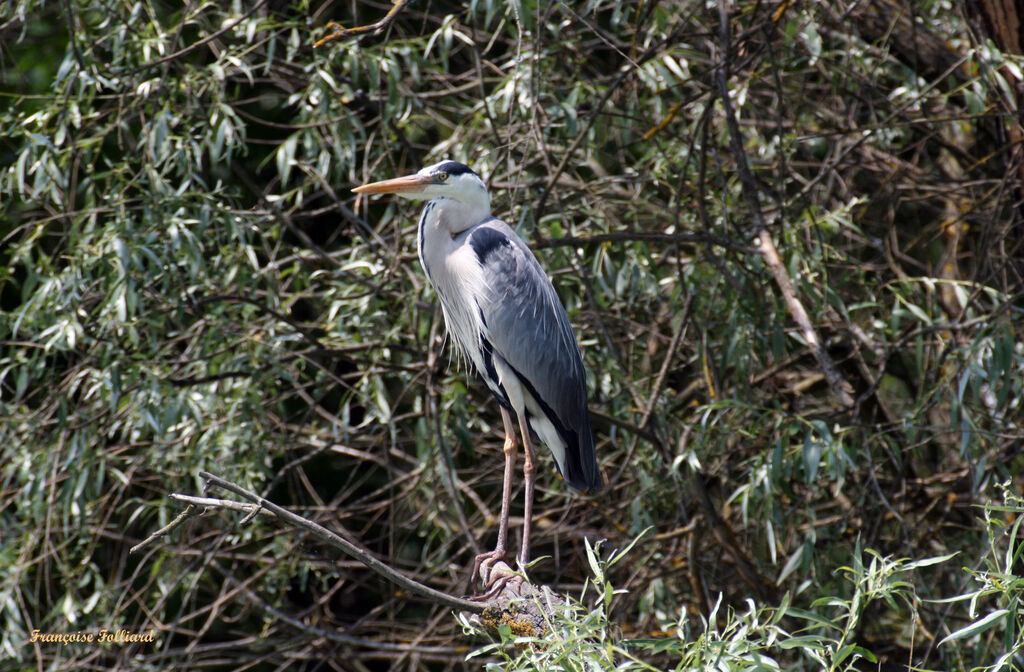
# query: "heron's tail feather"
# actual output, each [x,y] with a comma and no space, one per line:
[580,468]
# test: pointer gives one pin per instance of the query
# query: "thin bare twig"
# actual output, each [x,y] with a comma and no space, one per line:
[231,505]
[333,635]
[697,237]
[532,613]
[195,45]
[362,555]
[189,512]
[669,356]
[840,387]
[375,28]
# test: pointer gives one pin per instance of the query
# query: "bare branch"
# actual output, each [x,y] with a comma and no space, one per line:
[378,27]
[195,45]
[514,601]
[361,554]
[697,237]
[189,512]
[840,387]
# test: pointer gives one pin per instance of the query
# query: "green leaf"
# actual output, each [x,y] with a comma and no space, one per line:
[791,564]
[928,562]
[812,457]
[977,627]
[592,559]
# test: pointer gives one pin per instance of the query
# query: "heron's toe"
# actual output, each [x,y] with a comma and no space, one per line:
[485,562]
[496,576]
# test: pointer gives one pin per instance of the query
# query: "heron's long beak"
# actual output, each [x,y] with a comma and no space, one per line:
[399,185]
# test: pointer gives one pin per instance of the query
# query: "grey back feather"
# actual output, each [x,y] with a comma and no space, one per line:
[527,326]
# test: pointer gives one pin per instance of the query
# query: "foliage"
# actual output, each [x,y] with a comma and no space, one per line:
[758,638]
[186,283]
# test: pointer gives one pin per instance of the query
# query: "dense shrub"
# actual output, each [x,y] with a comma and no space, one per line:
[187,283]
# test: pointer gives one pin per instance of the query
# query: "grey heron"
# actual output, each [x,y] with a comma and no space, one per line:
[503,314]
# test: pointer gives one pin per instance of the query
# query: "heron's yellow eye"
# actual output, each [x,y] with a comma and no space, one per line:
[442,177]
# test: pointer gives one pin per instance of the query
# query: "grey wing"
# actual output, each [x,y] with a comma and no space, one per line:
[527,326]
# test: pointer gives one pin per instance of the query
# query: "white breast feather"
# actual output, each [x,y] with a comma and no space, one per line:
[457,286]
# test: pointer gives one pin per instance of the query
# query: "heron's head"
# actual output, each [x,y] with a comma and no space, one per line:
[447,179]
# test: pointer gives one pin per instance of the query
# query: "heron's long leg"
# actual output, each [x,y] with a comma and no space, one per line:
[506,481]
[528,469]
[510,448]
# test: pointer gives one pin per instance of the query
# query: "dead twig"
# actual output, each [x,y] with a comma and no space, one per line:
[697,237]
[667,362]
[527,608]
[261,505]
[375,28]
[361,554]
[189,512]
[839,386]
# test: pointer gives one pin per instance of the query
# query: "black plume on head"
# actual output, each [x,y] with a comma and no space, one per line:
[454,168]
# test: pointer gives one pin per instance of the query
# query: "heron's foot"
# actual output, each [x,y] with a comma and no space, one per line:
[498,583]
[486,562]
[496,576]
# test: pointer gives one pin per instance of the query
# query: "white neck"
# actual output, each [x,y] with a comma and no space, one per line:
[454,216]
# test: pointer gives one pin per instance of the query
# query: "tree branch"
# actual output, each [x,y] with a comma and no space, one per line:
[513,600]
[195,45]
[378,27]
[261,505]
[840,387]
[697,237]
[361,554]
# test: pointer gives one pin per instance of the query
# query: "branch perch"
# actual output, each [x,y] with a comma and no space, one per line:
[260,505]
[522,606]
[361,554]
